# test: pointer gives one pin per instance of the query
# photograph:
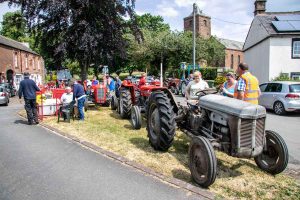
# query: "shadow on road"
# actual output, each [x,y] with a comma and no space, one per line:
[21,122]
[289,114]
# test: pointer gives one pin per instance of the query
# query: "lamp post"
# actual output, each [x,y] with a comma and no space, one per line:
[194,35]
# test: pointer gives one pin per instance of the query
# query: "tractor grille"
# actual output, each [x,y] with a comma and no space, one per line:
[246,133]
[100,95]
[247,125]
[260,130]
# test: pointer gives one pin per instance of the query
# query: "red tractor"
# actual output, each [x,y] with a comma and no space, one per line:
[97,94]
[134,98]
[173,84]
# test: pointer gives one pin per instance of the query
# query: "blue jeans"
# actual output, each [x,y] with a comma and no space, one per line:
[80,108]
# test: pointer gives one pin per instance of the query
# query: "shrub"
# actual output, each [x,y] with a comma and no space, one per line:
[209,73]
[219,81]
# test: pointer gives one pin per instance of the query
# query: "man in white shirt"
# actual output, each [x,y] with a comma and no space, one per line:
[195,86]
[67,97]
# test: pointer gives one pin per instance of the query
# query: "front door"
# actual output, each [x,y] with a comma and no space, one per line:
[10,76]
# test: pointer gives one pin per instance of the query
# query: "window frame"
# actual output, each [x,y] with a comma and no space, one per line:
[294,40]
[277,85]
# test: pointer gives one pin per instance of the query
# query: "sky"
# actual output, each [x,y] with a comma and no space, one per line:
[239,12]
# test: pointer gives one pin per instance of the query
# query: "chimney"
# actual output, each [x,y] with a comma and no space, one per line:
[260,7]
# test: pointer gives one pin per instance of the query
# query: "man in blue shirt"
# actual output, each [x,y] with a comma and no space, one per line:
[28,89]
[79,94]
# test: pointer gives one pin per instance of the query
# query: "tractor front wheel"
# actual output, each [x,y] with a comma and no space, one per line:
[114,103]
[202,161]
[182,88]
[160,121]
[275,156]
[136,117]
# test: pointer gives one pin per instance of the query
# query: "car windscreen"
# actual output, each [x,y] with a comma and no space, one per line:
[295,88]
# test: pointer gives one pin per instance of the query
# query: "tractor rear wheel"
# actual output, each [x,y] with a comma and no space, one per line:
[276,156]
[160,121]
[125,104]
[136,117]
[202,161]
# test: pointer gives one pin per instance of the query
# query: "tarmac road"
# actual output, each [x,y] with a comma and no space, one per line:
[37,164]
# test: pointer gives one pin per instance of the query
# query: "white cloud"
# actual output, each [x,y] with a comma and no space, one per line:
[166,10]
[189,3]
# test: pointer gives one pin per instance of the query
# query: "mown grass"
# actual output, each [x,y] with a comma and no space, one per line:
[236,179]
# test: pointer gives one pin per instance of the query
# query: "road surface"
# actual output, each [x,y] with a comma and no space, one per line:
[37,164]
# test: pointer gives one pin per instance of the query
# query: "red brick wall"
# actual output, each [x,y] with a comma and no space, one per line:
[203,25]
[7,61]
[236,54]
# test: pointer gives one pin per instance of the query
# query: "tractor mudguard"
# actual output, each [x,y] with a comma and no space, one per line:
[171,96]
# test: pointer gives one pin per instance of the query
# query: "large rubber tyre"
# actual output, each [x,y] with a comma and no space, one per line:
[114,103]
[136,117]
[279,108]
[202,161]
[125,104]
[182,88]
[275,159]
[160,121]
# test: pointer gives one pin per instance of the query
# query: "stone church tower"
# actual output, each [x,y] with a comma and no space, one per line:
[203,24]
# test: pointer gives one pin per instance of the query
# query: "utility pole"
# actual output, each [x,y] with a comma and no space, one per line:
[194,35]
[161,70]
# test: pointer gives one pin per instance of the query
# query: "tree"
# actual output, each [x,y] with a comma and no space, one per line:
[84,31]
[152,23]
[14,26]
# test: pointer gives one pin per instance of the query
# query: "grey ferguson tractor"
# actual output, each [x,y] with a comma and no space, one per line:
[215,122]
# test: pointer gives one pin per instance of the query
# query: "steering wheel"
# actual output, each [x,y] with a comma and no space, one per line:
[206,92]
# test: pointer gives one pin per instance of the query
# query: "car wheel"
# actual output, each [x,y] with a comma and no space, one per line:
[279,108]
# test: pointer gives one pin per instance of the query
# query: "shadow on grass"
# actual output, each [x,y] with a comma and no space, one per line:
[115,115]
[182,175]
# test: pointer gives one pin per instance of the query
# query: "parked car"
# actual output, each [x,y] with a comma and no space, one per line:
[280,96]
[4,96]
[10,89]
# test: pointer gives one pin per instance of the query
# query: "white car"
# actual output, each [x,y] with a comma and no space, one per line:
[4,96]
[280,96]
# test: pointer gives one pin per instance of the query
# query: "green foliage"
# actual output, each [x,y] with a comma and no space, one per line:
[152,23]
[209,73]
[14,26]
[282,77]
[220,80]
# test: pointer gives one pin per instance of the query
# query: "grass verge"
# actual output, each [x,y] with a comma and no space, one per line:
[236,179]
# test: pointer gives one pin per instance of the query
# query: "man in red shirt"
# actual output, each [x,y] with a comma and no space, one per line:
[143,80]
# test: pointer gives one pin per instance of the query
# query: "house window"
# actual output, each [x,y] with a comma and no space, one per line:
[191,23]
[16,59]
[205,23]
[33,62]
[239,59]
[26,61]
[38,64]
[231,65]
[296,48]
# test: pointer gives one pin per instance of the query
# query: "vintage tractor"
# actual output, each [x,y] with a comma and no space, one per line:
[172,84]
[97,94]
[134,98]
[215,122]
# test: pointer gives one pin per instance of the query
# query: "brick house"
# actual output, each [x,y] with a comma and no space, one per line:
[17,58]
[233,49]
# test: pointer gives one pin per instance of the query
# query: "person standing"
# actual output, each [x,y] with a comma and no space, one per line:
[79,95]
[195,86]
[28,89]
[95,81]
[227,89]
[247,87]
